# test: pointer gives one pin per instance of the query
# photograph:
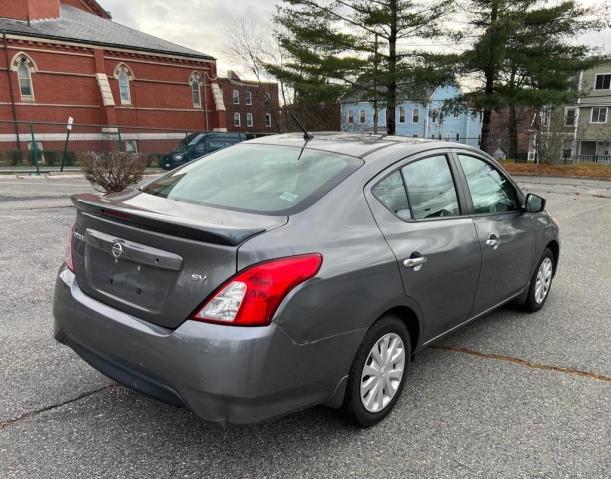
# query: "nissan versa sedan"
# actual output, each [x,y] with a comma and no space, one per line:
[292,271]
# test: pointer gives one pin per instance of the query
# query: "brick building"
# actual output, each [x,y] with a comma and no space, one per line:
[252,107]
[499,133]
[67,58]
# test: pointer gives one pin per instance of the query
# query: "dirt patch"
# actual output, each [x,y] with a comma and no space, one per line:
[582,170]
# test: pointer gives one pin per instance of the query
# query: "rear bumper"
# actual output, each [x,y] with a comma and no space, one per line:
[224,374]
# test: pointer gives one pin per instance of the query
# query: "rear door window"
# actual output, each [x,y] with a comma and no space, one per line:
[431,189]
[391,193]
[266,179]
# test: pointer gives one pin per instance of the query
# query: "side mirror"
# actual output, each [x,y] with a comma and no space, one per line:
[534,204]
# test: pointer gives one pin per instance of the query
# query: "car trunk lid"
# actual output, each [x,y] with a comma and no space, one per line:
[155,258]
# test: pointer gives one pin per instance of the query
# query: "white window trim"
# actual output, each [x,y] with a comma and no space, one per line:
[566,110]
[238,117]
[236,97]
[351,117]
[123,68]
[248,95]
[16,61]
[196,104]
[362,117]
[268,120]
[27,98]
[196,77]
[414,115]
[606,115]
[128,100]
[404,111]
[596,78]
[249,120]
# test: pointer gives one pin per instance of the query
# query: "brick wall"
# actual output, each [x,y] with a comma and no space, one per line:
[64,84]
[264,101]
[29,9]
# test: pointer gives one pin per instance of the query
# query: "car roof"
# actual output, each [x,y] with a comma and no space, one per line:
[356,144]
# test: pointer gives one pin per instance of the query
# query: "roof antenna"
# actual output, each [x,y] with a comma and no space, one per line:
[306,136]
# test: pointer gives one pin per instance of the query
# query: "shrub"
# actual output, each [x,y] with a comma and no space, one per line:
[113,171]
[52,157]
[153,160]
[70,158]
[14,157]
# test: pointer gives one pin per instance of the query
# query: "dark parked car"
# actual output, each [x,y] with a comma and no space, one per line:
[196,145]
[279,274]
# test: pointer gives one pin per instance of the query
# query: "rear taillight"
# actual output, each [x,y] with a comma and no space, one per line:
[69,259]
[252,297]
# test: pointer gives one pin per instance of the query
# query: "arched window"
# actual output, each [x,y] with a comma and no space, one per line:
[125,76]
[24,66]
[126,96]
[196,90]
[25,79]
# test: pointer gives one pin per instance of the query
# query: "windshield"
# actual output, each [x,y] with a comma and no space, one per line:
[188,141]
[264,179]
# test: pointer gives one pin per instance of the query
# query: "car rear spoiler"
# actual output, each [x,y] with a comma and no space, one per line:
[161,223]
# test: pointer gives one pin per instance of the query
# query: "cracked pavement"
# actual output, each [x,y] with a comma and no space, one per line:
[510,395]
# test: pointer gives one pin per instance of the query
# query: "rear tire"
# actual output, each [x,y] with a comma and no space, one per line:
[377,375]
[540,283]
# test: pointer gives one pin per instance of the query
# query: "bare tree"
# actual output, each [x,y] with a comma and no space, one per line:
[552,136]
[252,47]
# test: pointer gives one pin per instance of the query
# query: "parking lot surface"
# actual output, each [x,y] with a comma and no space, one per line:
[510,395]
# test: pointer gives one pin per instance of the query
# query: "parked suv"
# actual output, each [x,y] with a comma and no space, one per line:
[283,273]
[196,145]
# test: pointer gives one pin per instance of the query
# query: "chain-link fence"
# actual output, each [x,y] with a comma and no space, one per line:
[52,145]
[42,144]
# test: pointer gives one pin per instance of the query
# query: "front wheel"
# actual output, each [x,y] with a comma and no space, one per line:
[540,283]
[377,375]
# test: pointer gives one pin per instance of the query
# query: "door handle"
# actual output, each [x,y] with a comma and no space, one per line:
[415,262]
[494,241]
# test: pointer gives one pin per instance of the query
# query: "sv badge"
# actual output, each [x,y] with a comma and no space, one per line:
[199,278]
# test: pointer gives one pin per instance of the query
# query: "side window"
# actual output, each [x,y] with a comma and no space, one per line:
[200,148]
[431,189]
[490,191]
[391,193]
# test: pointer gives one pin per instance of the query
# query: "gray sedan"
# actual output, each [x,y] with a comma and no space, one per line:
[287,272]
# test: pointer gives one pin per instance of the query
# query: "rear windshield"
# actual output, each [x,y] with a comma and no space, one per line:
[265,179]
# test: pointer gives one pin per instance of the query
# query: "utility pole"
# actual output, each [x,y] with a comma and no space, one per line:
[375,86]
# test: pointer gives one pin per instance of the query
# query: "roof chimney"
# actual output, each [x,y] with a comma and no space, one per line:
[29,10]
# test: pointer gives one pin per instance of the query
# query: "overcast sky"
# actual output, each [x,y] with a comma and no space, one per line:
[200,24]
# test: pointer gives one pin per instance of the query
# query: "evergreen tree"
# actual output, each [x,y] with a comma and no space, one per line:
[336,47]
[524,56]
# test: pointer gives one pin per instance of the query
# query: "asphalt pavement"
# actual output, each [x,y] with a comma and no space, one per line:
[511,395]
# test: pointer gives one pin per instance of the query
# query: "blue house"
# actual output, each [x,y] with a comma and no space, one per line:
[419,119]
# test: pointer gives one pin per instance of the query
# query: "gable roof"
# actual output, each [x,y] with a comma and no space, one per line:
[79,26]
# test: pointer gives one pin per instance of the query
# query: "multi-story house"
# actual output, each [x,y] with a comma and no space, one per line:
[591,115]
[251,107]
[585,125]
[428,118]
